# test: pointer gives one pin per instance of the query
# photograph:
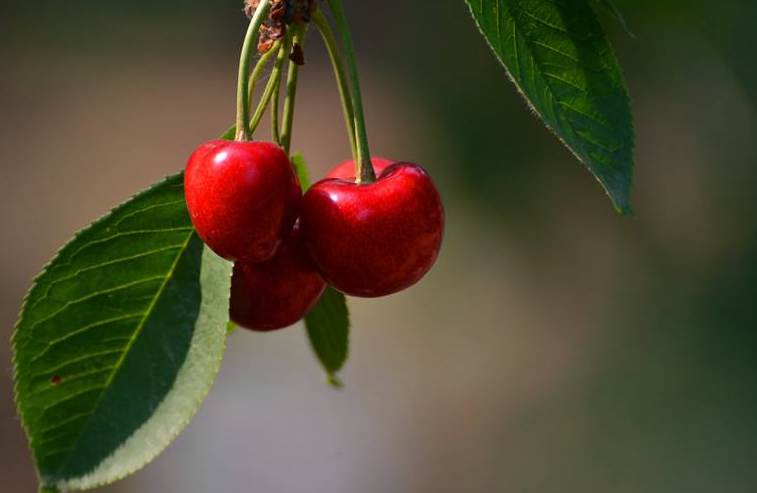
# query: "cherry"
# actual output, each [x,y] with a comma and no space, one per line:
[378,238]
[242,197]
[346,170]
[277,293]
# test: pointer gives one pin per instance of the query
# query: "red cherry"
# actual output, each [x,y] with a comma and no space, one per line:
[374,239]
[346,170]
[242,197]
[277,293]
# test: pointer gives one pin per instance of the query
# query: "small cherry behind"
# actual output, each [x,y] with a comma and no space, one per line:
[278,293]
[346,169]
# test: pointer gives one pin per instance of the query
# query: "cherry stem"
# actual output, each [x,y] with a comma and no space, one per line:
[271,86]
[258,70]
[364,171]
[248,47]
[292,79]
[275,97]
[341,76]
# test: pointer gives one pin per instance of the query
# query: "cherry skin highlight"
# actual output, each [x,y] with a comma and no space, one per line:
[243,197]
[374,239]
[346,170]
[275,294]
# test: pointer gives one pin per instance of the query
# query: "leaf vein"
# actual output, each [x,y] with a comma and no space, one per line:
[68,304]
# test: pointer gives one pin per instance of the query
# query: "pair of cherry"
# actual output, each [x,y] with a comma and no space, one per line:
[365,239]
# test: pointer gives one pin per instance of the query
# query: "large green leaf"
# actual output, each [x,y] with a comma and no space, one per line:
[119,341]
[557,54]
[328,327]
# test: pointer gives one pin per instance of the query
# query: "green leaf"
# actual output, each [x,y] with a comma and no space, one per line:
[229,133]
[119,341]
[328,327]
[302,171]
[618,15]
[557,54]
[328,323]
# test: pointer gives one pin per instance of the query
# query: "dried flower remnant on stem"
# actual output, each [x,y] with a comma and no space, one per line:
[283,13]
[298,55]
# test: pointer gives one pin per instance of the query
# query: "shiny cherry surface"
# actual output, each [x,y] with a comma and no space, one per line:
[374,239]
[278,293]
[243,197]
[346,170]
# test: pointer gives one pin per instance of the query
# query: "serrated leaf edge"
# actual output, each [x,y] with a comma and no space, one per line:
[92,480]
[626,208]
[610,5]
[112,469]
[44,270]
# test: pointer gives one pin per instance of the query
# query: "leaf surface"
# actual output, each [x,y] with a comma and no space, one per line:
[556,53]
[302,171]
[119,340]
[328,323]
[328,327]
[610,5]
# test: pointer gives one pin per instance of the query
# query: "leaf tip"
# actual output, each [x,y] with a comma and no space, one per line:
[621,200]
[624,208]
[628,212]
[334,381]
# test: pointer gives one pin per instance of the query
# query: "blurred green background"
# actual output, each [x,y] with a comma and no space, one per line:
[556,347]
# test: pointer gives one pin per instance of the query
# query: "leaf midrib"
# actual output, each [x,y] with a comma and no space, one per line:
[541,72]
[129,345]
[581,147]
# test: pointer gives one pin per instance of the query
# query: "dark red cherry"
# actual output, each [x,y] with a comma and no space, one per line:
[346,170]
[242,197]
[374,239]
[275,294]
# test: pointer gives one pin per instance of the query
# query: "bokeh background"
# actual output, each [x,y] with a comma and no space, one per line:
[556,347]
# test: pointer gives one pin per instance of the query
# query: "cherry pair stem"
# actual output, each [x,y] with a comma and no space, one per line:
[281,48]
[340,74]
[364,172]
[291,90]
[350,92]
[246,124]
[243,131]
[270,95]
